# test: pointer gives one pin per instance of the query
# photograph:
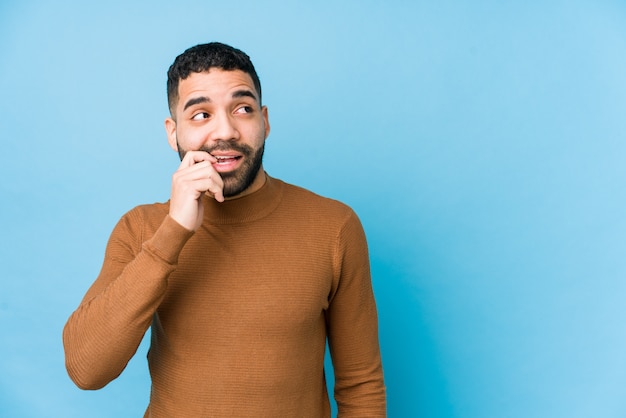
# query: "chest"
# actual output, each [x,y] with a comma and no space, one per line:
[262,279]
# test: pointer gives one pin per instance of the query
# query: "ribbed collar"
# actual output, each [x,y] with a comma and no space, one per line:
[249,208]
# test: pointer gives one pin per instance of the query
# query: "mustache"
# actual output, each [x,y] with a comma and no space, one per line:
[244,149]
[228,146]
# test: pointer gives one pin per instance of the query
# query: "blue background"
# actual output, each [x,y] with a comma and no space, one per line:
[481,142]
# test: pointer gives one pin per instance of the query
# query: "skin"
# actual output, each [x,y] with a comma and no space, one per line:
[213,107]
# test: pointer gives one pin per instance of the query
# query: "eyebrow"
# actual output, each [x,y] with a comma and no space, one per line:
[204,99]
[244,93]
[195,101]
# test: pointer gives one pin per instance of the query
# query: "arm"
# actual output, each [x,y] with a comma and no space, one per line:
[103,334]
[353,329]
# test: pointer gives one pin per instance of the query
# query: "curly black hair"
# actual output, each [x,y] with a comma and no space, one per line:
[203,57]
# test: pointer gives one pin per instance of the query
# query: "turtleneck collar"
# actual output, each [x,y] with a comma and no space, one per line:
[248,208]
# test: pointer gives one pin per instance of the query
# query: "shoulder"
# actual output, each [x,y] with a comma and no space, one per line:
[308,203]
[143,219]
[292,192]
[147,212]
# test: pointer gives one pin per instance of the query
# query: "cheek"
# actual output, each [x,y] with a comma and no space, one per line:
[256,135]
[190,139]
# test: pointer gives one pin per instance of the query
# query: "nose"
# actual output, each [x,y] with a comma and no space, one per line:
[224,128]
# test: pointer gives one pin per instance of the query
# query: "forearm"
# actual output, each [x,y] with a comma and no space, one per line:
[359,383]
[103,334]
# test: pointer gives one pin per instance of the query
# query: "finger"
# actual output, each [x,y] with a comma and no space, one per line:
[200,177]
[193,157]
[216,189]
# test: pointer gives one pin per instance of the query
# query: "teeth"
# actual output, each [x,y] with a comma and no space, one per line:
[222,159]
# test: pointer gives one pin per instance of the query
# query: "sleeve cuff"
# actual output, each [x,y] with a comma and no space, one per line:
[169,239]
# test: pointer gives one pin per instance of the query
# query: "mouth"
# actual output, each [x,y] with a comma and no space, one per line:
[226,159]
[226,163]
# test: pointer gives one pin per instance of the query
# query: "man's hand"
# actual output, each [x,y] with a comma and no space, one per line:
[194,177]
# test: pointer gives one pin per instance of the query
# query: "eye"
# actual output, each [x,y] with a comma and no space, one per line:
[200,116]
[244,109]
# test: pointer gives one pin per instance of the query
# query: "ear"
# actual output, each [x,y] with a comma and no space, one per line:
[266,120]
[170,128]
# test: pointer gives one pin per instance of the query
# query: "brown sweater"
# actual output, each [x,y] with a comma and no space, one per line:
[240,310]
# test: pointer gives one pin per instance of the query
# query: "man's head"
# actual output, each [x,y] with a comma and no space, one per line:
[214,96]
[202,58]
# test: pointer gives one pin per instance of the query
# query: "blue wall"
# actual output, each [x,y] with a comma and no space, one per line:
[482,143]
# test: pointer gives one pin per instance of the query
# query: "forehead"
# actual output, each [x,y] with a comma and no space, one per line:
[214,84]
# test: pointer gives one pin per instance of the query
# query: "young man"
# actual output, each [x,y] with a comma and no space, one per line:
[241,277]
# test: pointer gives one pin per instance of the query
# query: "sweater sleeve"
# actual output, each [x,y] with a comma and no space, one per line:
[353,329]
[104,332]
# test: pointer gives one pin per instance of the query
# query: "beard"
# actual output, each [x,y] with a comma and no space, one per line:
[236,181]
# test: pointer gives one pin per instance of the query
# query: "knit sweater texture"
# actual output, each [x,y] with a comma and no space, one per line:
[239,311]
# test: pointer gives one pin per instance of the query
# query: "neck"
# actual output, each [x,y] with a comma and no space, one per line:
[246,208]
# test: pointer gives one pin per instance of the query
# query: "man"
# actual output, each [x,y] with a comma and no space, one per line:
[241,277]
